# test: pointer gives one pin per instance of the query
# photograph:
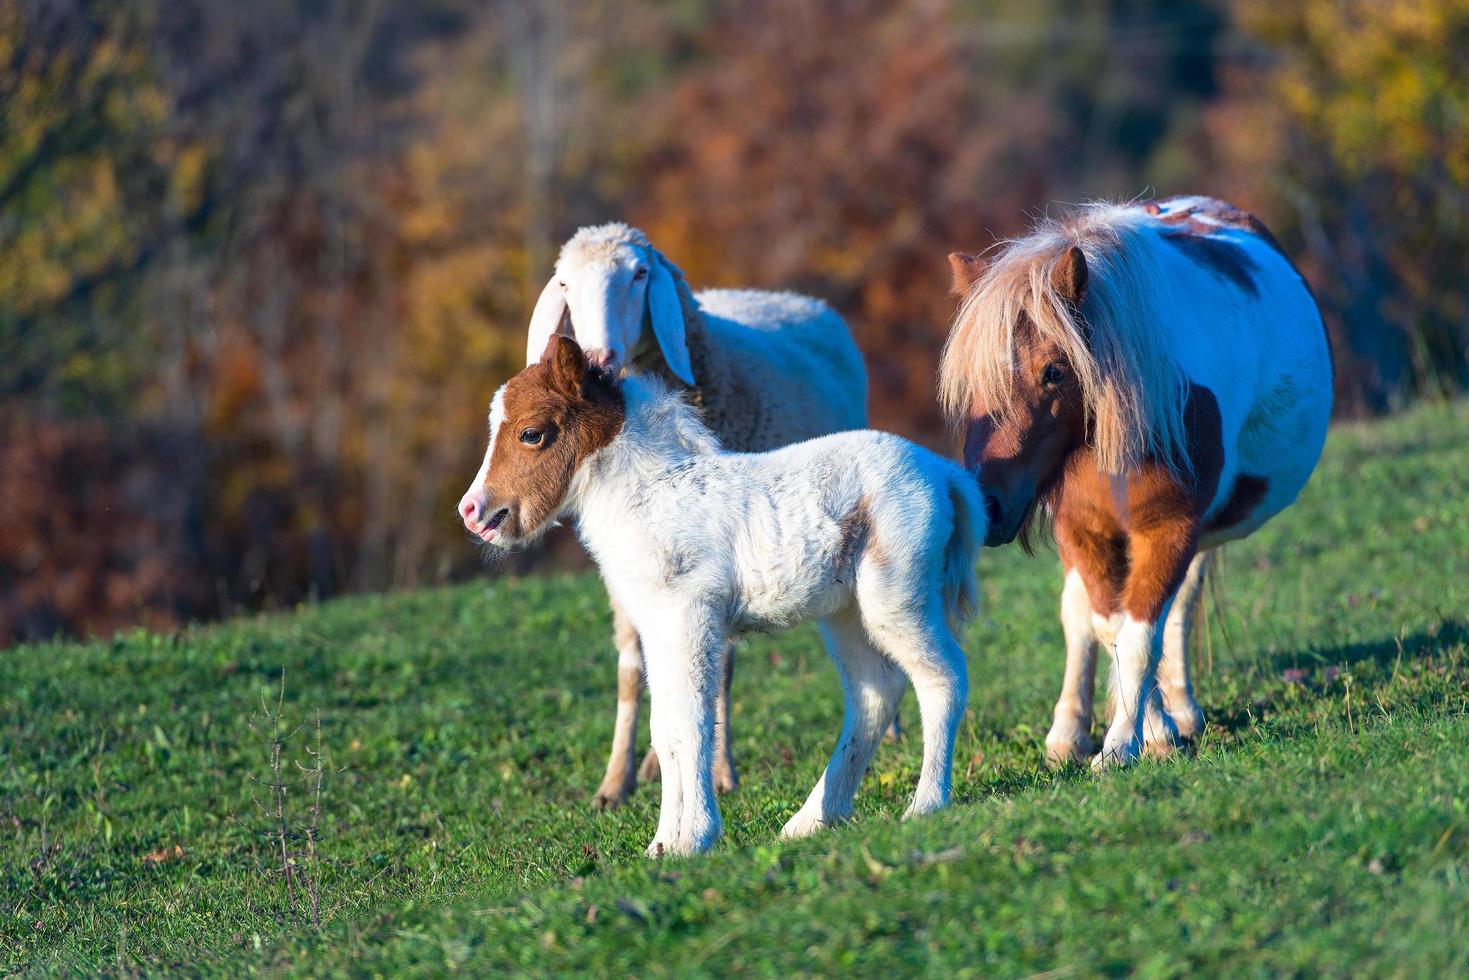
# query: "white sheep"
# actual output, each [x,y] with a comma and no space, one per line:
[767,368]
[870,534]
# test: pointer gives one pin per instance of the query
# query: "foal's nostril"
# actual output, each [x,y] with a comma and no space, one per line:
[469,507]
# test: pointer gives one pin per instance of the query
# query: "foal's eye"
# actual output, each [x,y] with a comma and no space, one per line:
[532,437]
[642,273]
[1054,374]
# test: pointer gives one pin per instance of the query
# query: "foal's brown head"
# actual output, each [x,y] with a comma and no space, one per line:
[1020,436]
[544,423]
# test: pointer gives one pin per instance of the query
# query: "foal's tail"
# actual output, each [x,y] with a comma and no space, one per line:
[960,587]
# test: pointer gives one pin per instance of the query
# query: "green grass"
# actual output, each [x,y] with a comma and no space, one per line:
[1323,826]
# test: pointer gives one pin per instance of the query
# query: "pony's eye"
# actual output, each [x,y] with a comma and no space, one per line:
[1054,374]
[642,273]
[532,437]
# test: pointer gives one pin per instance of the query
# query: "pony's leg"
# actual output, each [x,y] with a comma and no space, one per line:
[1160,559]
[621,777]
[872,686]
[1174,682]
[682,661]
[726,778]
[1070,737]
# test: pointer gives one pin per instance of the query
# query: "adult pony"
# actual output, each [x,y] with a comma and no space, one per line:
[1157,377]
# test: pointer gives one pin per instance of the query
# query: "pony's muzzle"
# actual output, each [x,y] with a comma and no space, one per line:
[1000,529]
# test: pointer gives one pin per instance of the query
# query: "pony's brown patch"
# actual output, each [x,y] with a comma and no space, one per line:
[1218,213]
[1131,540]
[1244,496]
[1219,255]
[557,412]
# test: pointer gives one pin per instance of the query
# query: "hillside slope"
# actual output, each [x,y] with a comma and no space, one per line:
[1322,826]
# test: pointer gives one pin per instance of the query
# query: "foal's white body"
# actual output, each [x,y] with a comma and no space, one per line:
[869,533]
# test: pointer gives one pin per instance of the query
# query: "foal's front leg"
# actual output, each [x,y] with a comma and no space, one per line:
[726,778]
[682,664]
[1160,558]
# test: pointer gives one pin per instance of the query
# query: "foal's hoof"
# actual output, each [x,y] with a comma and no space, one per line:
[650,771]
[804,824]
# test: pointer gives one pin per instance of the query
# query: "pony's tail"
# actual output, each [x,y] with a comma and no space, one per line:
[960,587]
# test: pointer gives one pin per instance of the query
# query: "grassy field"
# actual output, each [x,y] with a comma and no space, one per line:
[1322,827]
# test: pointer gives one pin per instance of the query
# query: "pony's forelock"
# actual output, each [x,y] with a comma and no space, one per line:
[1132,389]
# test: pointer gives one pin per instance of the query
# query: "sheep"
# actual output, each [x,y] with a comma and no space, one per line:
[767,368]
[868,533]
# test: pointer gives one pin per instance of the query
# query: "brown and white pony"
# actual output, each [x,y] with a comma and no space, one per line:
[1156,377]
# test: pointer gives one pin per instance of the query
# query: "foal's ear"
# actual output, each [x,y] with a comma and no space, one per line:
[567,363]
[1070,275]
[966,269]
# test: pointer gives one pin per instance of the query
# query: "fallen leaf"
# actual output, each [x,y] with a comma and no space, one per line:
[163,854]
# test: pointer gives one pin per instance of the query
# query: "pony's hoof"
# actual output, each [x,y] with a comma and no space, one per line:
[659,849]
[1069,752]
[650,771]
[1161,749]
[894,732]
[1114,757]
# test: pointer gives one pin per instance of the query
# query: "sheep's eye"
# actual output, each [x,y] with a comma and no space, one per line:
[1054,374]
[532,437]
[642,273]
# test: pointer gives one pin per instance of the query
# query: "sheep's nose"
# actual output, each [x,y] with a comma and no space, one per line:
[602,358]
[472,506]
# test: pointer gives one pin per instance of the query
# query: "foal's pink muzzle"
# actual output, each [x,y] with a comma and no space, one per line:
[472,507]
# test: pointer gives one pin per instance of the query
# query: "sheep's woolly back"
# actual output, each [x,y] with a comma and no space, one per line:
[771,368]
[1133,388]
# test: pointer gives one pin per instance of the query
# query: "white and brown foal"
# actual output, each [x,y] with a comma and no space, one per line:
[864,531]
[1156,376]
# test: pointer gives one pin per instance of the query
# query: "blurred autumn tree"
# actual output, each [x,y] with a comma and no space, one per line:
[264,263]
[1352,132]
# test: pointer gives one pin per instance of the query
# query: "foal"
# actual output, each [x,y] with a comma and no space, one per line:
[868,533]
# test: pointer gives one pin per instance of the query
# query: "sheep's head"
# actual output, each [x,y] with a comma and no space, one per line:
[621,297]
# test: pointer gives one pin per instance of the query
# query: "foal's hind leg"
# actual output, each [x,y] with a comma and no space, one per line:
[1070,737]
[1173,671]
[872,686]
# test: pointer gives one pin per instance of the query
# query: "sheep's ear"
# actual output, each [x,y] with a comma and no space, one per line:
[666,312]
[545,322]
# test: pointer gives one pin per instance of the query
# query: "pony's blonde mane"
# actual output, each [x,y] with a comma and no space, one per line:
[1132,387]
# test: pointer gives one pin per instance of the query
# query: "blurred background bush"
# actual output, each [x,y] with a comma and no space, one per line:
[262,264]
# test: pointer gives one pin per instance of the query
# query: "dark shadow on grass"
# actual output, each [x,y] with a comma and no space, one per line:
[1445,633]
[1317,674]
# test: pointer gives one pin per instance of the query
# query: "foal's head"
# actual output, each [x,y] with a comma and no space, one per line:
[1023,406]
[544,423]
